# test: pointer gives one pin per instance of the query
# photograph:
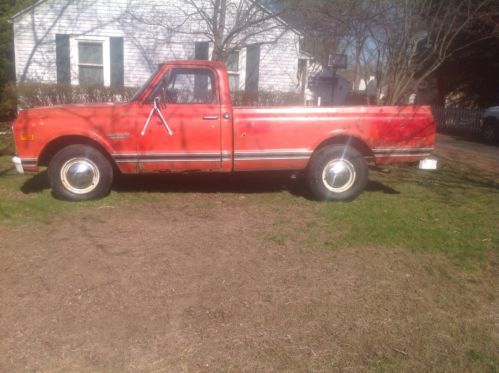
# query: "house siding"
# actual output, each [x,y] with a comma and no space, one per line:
[144,46]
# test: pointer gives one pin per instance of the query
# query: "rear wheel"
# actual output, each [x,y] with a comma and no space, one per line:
[80,172]
[337,173]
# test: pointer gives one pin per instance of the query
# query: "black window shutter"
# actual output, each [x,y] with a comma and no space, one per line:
[117,62]
[252,67]
[201,50]
[63,62]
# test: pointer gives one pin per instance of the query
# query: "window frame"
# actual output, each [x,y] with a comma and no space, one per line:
[75,56]
[235,72]
[169,76]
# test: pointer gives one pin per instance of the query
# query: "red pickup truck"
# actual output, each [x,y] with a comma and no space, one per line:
[182,120]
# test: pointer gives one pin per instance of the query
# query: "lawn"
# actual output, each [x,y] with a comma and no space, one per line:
[252,274]
[451,211]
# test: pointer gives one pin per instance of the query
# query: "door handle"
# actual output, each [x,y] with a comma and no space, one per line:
[210,117]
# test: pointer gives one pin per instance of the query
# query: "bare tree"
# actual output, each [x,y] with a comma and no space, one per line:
[400,42]
[229,25]
[416,37]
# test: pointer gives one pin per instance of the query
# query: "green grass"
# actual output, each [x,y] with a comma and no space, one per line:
[28,198]
[450,211]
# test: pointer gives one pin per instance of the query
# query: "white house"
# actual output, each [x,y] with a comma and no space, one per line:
[121,42]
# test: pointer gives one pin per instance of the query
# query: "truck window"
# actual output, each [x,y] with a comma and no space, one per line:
[187,86]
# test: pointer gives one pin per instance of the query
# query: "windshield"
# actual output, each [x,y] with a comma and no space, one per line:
[145,85]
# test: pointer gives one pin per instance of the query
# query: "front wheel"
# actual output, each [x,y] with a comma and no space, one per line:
[79,173]
[337,173]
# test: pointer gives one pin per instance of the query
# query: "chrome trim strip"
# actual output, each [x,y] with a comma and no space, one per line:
[28,161]
[401,150]
[275,158]
[158,160]
[139,155]
[268,155]
[118,136]
[388,155]
[167,156]
[279,154]
[275,151]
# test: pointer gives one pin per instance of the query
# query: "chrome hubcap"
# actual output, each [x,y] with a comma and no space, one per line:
[80,175]
[338,175]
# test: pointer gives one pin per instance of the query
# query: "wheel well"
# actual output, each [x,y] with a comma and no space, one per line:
[353,141]
[55,145]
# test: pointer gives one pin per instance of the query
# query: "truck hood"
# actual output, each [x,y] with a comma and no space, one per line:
[68,110]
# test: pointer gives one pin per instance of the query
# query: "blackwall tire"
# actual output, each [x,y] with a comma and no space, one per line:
[79,173]
[337,173]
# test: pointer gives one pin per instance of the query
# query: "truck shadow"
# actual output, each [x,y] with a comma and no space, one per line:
[247,183]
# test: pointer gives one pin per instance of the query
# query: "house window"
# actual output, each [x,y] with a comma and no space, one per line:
[90,60]
[90,63]
[233,71]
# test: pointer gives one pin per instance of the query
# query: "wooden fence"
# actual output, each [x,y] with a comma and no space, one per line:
[458,120]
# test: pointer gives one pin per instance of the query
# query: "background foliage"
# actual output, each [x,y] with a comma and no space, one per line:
[398,42]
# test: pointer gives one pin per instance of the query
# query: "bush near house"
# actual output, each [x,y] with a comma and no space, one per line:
[28,95]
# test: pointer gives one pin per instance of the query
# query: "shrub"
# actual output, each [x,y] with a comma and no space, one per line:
[29,95]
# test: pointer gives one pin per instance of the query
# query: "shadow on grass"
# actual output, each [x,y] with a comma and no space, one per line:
[254,183]
[449,177]
[248,183]
[376,186]
[449,184]
[36,184]
[445,182]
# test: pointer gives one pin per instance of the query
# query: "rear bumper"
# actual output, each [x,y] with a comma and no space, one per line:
[24,164]
[401,155]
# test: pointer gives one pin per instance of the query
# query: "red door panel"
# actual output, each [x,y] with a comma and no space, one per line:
[187,100]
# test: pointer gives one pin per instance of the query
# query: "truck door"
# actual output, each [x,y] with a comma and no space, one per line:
[179,124]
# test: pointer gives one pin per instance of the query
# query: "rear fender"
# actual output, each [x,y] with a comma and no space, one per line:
[349,138]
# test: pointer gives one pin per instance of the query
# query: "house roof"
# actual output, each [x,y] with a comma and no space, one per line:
[27,9]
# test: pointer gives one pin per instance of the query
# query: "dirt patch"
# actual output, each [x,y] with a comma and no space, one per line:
[197,283]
